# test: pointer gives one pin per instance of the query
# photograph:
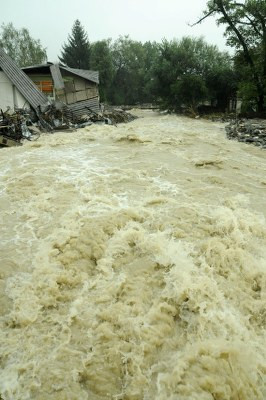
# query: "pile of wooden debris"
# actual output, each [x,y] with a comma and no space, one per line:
[28,124]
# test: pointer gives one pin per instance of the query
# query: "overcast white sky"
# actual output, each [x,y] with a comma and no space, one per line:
[51,20]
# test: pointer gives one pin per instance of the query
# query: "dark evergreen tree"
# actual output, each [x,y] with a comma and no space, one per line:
[76,53]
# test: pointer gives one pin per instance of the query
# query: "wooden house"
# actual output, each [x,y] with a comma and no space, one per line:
[77,88]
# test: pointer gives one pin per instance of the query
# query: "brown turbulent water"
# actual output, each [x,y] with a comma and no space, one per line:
[133,264]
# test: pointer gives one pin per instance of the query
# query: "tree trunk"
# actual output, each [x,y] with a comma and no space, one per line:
[260,103]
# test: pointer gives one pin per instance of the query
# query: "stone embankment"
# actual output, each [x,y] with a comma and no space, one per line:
[248,131]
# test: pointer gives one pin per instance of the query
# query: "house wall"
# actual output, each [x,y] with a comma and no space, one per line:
[78,89]
[9,95]
[44,82]
[85,89]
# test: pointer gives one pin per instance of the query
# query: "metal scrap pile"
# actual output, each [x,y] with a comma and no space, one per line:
[27,124]
[14,127]
[54,117]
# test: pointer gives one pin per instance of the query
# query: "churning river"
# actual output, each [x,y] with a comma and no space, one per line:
[133,264]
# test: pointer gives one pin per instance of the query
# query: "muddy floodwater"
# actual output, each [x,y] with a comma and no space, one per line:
[133,264]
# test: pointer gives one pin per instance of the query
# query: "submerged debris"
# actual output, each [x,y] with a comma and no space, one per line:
[117,115]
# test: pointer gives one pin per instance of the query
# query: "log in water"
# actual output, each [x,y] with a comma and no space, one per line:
[133,264]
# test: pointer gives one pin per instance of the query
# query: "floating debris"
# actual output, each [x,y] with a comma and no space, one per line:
[117,115]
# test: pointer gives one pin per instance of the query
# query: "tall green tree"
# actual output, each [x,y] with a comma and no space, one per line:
[101,60]
[128,58]
[76,52]
[133,77]
[245,24]
[150,54]
[20,46]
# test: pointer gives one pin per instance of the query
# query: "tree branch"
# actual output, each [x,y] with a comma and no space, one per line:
[202,19]
[254,26]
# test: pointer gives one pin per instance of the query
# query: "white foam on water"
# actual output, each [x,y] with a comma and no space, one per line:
[133,264]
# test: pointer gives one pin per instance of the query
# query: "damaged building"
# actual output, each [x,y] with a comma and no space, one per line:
[77,88]
[50,95]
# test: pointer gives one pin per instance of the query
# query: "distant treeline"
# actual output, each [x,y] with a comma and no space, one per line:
[173,74]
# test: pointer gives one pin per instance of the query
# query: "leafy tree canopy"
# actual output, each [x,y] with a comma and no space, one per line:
[185,71]
[21,47]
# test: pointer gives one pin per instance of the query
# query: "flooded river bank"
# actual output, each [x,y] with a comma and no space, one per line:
[133,264]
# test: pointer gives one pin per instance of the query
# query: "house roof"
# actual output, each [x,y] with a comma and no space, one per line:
[83,73]
[21,81]
[89,75]
[57,76]
[36,66]
[81,107]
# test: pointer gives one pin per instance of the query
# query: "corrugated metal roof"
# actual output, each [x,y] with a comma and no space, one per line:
[22,82]
[83,73]
[83,107]
[92,76]
[57,77]
[37,66]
